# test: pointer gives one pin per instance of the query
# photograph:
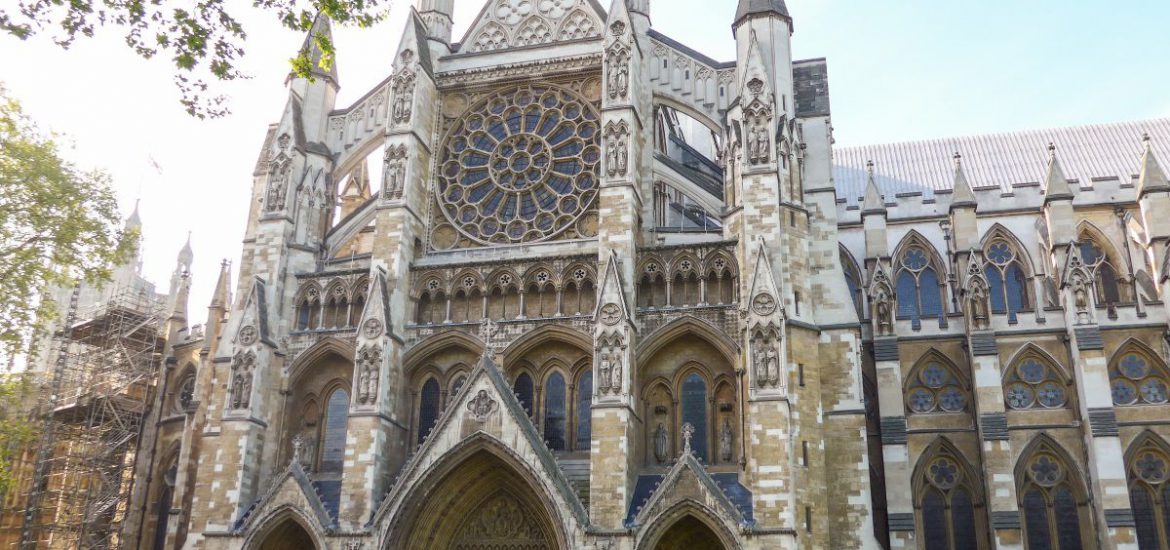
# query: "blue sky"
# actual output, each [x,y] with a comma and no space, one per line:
[898,70]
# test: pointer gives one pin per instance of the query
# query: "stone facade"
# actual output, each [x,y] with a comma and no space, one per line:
[613,294]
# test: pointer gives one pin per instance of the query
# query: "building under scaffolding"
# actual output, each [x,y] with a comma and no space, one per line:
[93,403]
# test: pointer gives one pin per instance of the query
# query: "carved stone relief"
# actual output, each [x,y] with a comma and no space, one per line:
[482,406]
[394,173]
[617,148]
[369,366]
[243,365]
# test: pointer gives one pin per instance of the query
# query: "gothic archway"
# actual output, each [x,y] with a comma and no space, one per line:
[687,526]
[478,503]
[688,533]
[286,534]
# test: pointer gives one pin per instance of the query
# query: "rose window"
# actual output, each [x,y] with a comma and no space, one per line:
[1135,380]
[522,167]
[936,388]
[1035,384]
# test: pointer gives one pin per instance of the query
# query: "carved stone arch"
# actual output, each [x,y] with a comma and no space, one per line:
[999,231]
[1032,350]
[914,238]
[942,445]
[530,340]
[694,367]
[677,263]
[317,352]
[459,282]
[1044,443]
[1102,239]
[933,355]
[570,272]
[1133,345]
[1148,438]
[337,288]
[424,287]
[461,470]
[421,375]
[307,290]
[527,31]
[270,533]
[497,279]
[420,352]
[652,263]
[493,36]
[1138,375]
[684,326]
[352,157]
[658,527]
[533,275]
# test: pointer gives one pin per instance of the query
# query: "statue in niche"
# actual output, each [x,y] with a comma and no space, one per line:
[276,187]
[615,374]
[979,316]
[758,142]
[761,360]
[773,360]
[1081,299]
[661,444]
[725,437]
[619,76]
[603,374]
[237,390]
[882,309]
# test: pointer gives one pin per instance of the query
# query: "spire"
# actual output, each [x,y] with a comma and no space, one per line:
[134,221]
[873,196]
[1151,178]
[751,8]
[437,16]
[222,295]
[1055,184]
[321,28]
[963,195]
[186,255]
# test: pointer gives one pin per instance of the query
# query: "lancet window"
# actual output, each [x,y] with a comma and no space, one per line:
[333,432]
[1149,491]
[584,408]
[853,282]
[555,410]
[525,391]
[687,281]
[1108,287]
[919,293]
[428,409]
[1006,279]
[1137,377]
[946,498]
[1052,500]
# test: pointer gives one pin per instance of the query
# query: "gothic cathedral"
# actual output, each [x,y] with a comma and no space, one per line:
[567,283]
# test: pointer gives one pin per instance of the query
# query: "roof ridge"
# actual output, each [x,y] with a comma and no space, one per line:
[1030,132]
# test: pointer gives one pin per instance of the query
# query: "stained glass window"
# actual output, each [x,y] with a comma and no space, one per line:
[525,389]
[963,519]
[934,521]
[1032,383]
[694,411]
[1149,471]
[1134,379]
[1144,517]
[521,166]
[918,291]
[1008,285]
[333,440]
[554,412]
[428,410]
[948,510]
[1036,521]
[935,387]
[1107,286]
[584,409]
[1068,523]
[1051,508]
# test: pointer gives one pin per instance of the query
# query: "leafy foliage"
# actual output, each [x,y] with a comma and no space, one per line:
[16,431]
[204,38]
[58,224]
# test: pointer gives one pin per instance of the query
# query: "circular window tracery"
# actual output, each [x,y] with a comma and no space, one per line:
[936,389]
[521,166]
[1033,383]
[1134,380]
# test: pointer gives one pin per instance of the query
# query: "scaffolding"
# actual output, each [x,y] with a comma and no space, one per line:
[92,408]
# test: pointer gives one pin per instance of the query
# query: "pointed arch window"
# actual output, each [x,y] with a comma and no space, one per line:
[1107,286]
[853,282]
[935,387]
[694,412]
[917,287]
[1149,492]
[333,435]
[1006,278]
[428,409]
[584,409]
[555,411]
[1052,502]
[1138,378]
[1034,383]
[525,390]
[946,503]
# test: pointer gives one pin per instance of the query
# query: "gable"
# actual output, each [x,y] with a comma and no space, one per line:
[505,24]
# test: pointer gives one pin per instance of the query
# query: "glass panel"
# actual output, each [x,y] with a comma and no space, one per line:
[963,520]
[163,514]
[333,444]
[525,389]
[584,409]
[428,409]
[1165,508]
[1108,278]
[554,412]
[854,293]
[1017,289]
[1068,521]
[694,411]
[931,297]
[934,521]
[995,288]
[1036,521]
[907,292]
[1144,517]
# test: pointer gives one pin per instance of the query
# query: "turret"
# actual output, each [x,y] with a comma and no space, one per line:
[1058,199]
[180,289]
[438,18]
[317,94]
[218,309]
[768,23]
[873,217]
[963,208]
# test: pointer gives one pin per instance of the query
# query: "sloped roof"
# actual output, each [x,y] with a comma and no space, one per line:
[1086,153]
[753,7]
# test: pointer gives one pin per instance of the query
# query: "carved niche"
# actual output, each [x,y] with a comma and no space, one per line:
[369,366]
[394,173]
[757,118]
[243,367]
[617,64]
[617,148]
[403,91]
[610,369]
[765,350]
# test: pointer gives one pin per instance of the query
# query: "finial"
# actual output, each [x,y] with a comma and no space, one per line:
[224,264]
[869,166]
[958,159]
[1146,137]
[1051,149]
[688,431]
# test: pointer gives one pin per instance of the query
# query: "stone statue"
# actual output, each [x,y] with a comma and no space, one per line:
[603,374]
[237,390]
[761,360]
[661,444]
[725,437]
[773,365]
[619,76]
[615,375]
[363,384]
[623,156]
[246,392]
[881,312]
[979,306]
[1081,300]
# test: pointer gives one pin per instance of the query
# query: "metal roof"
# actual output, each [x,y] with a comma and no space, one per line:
[1101,151]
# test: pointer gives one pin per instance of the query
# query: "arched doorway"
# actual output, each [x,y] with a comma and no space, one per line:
[288,535]
[689,533]
[479,503]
